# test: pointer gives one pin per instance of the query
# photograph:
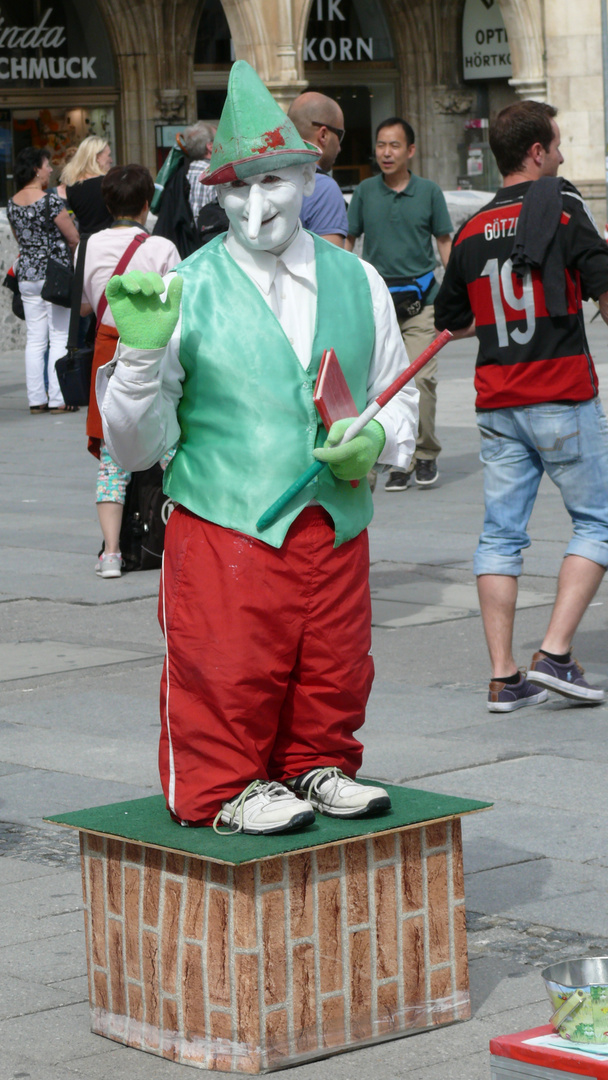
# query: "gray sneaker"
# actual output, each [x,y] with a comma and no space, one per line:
[426,473]
[398,480]
[565,679]
[505,697]
[109,565]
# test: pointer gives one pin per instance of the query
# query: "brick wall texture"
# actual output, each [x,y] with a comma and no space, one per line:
[249,968]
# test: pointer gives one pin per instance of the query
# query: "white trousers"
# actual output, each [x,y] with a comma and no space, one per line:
[47,327]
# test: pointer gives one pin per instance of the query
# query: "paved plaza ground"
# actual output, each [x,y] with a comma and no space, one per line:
[80,661]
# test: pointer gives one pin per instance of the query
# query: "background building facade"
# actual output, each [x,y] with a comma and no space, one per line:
[135,71]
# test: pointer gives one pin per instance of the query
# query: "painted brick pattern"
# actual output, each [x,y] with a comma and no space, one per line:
[249,968]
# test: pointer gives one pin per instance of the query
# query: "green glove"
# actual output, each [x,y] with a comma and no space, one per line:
[353,460]
[142,319]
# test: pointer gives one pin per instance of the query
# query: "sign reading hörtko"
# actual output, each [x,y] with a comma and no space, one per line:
[485,46]
[42,38]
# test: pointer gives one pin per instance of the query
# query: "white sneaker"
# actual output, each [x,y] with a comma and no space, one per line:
[109,564]
[265,807]
[333,793]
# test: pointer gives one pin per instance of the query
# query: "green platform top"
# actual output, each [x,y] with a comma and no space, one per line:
[147,821]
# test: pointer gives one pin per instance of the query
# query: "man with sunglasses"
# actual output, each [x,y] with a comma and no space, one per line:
[320,121]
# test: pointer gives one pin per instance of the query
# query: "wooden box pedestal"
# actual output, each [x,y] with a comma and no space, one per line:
[253,965]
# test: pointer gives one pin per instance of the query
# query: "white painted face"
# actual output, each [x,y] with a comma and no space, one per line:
[263,210]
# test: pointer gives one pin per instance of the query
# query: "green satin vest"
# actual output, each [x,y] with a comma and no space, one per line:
[247,418]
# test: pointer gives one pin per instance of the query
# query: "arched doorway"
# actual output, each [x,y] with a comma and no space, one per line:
[213,58]
[348,54]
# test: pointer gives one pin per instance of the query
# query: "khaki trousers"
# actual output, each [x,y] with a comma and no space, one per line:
[418,332]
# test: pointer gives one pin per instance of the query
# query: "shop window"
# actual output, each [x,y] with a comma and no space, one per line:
[54,129]
[209,104]
[61,128]
[213,50]
[348,55]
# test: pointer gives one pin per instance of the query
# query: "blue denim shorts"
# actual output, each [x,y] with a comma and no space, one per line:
[570,444]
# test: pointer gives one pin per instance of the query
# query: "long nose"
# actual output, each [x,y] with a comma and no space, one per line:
[256,206]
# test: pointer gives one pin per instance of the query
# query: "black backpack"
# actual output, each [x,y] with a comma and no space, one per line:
[211,221]
[175,219]
[145,515]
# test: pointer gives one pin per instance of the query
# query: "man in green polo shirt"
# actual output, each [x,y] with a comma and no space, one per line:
[399,213]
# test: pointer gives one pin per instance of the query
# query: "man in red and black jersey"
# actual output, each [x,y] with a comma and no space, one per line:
[517,276]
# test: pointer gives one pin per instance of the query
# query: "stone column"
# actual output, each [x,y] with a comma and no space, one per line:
[524,22]
[265,33]
[530,89]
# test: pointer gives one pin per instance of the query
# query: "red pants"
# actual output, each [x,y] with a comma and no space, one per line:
[268,666]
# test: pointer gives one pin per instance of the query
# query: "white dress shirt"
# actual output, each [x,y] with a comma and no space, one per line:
[139,391]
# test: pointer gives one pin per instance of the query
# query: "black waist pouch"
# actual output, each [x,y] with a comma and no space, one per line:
[410,294]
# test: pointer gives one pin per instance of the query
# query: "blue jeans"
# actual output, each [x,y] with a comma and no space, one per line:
[570,444]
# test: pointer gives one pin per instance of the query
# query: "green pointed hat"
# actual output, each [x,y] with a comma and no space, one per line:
[254,135]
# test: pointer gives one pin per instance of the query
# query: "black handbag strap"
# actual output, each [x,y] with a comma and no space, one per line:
[77,294]
[121,266]
[47,212]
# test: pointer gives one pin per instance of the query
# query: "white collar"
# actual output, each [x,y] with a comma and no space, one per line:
[261,266]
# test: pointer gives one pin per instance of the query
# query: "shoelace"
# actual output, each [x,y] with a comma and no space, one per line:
[328,773]
[273,790]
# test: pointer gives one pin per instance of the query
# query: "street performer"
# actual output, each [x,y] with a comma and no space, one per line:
[521,268]
[268,634]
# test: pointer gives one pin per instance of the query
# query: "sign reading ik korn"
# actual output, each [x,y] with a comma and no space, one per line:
[345,31]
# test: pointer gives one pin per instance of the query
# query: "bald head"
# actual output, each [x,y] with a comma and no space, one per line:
[311,112]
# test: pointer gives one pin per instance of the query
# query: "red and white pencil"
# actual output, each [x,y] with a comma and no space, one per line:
[372,410]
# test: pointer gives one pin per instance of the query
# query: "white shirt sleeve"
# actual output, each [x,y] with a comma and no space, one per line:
[138,393]
[399,417]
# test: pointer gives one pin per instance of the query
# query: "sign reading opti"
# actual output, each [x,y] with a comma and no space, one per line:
[485,46]
[43,37]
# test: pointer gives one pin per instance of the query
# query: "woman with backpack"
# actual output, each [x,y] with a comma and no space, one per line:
[127,192]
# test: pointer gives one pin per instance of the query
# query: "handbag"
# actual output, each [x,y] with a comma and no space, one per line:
[10,282]
[145,515]
[74,369]
[410,294]
[58,278]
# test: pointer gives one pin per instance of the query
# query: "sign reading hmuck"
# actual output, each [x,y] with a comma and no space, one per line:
[41,37]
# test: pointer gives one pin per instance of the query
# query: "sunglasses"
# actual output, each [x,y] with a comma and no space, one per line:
[340,132]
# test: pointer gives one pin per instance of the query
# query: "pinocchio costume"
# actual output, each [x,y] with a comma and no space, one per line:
[268,665]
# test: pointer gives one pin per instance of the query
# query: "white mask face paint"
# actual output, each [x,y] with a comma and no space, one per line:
[263,210]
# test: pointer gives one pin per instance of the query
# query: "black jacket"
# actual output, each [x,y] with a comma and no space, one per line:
[175,220]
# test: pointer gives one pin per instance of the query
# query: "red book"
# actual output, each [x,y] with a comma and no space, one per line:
[331,395]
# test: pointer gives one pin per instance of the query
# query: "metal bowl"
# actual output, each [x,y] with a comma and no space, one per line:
[578,990]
